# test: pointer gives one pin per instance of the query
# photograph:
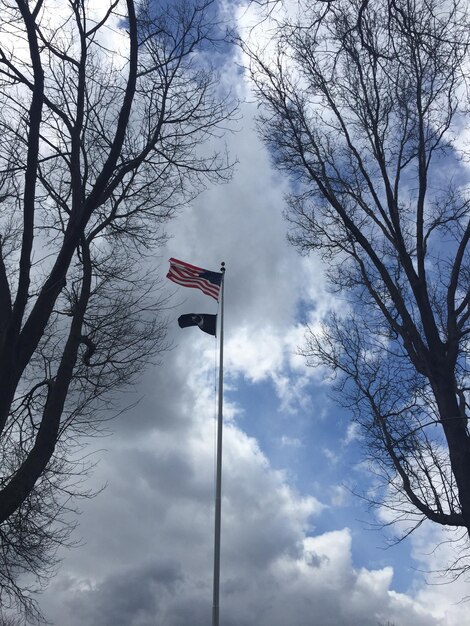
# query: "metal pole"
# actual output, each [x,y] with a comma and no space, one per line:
[218,481]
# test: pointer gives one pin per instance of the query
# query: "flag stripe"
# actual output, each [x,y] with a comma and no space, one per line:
[196,283]
[189,275]
[193,281]
[187,265]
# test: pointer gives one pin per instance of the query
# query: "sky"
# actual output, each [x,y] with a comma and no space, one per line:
[298,548]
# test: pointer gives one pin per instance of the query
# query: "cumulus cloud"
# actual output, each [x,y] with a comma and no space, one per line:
[147,555]
[353,433]
[149,544]
[291,442]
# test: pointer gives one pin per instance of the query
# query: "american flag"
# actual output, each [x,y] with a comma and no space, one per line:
[191,276]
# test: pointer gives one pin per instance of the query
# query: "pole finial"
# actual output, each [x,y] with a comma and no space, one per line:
[222,266]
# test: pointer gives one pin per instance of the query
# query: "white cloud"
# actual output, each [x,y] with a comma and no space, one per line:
[353,433]
[291,442]
[255,353]
[332,456]
[435,548]
[153,535]
[147,557]
[339,495]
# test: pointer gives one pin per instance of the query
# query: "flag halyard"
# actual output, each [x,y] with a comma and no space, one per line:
[189,275]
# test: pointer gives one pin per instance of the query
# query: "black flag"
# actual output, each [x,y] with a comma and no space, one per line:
[205,321]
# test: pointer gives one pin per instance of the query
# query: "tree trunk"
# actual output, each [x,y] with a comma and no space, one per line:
[458,441]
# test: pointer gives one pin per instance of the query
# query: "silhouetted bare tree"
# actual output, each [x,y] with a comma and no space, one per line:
[102,110]
[365,104]
[10,620]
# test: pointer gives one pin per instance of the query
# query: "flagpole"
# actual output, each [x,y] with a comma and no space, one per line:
[218,481]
